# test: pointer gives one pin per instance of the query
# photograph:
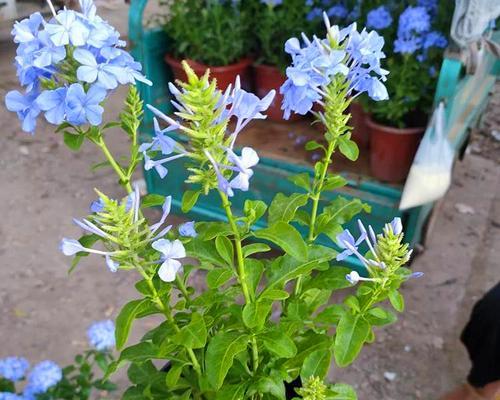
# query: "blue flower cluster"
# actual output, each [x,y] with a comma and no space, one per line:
[234,103]
[379,18]
[414,32]
[42,377]
[13,368]
[314,66]
[67,66]
[101,335]
[430,5]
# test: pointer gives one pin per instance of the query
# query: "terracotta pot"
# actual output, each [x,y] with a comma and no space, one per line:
[266,78]
[360,133]
[392,150]
[225,75]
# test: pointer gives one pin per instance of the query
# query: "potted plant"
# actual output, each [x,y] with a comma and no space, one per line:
[208,34]
[397,125]
[276,21]
[264,318]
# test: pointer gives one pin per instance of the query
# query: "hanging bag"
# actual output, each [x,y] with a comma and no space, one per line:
[430,173]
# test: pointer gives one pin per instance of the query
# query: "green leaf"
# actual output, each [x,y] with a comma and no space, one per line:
[331,315]
[225,249]
[254,269]
[141,352]
[124,320]
[253,248]
[204,251]
[283,208]
[255,314]
[141,373]
[316,364]
[278,343]
[232,392]
[314,145]
[189,200]
[173,375]
[333,182]
[397,300]
[193,335]
[210,230]
[379,316]
[220,354]
[348,148]
[74,142]
[133,393]
[302,180]
[274,294]
[152,200]
[274,387]
[333,279]
[341,391]
[352,331]
[254,210]
[342,210]
[286,237]
[218,277]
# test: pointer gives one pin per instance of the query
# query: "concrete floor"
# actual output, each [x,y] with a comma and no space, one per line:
[44,312]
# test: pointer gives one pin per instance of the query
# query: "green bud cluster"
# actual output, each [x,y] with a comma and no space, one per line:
[391,250]
[313,389]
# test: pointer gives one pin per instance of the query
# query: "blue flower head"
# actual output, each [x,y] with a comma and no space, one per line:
[430,5]
[316,64]
[96,50]
[10,396]
[413,20]
[187,229]
[435,39]
[379,18]
[337,11]
[13,368]
[43,376]
[101,335]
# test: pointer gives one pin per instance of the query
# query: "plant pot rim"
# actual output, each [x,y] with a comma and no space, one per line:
[393,130]
[241,63]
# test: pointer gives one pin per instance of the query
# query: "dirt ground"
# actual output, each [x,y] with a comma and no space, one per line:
[44,312]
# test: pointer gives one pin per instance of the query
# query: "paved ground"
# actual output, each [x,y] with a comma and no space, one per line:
[44,313]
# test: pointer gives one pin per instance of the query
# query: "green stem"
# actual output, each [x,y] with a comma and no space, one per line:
[124,180]
[165,309]
[241,270]
[316,196]
[182,288]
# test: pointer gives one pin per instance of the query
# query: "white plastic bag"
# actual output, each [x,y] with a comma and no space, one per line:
[430,173]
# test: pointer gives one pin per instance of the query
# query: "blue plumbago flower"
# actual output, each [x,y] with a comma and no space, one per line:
[97,205]
[170,253]
[430,5]
[187,229]
[94,225]
[25,106]
[84,107]
[43,376]
[407,45]
[11,396]
[234,102]
[353,278]
[379,18]
[13,368]
[435,39]
[315,13]
[101,335]
[337,11]
[413,20]
[316,64]
[395,226]
[71,37]
[272,3]
[345,238]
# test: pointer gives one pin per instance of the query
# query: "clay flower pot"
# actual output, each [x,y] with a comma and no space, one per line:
[266,78]
[392,150]
[225,75]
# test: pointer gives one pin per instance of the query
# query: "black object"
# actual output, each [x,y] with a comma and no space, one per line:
[481,338]
[290,388]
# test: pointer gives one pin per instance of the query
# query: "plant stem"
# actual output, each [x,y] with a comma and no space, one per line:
[124,180]
[241,271]
[165,309]
[318,186]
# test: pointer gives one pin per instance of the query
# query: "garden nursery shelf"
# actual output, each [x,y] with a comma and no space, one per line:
[279,144]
